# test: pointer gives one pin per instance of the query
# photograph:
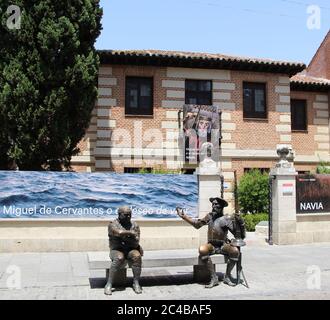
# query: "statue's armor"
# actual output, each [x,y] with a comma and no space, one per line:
[218,228]
[214,232]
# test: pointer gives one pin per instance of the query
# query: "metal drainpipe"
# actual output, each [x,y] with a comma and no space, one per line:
[270,210]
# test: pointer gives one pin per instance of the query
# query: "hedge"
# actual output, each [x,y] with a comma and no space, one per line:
[251,220]
[253,192]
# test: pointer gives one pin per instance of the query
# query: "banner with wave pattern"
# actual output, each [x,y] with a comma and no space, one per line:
[95,195]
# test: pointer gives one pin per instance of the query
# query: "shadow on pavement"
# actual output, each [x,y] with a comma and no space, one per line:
[153,280]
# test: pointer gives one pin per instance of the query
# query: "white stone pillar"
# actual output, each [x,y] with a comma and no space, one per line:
[209,185]
[284,219]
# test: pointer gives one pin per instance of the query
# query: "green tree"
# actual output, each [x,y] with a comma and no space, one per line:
[48,81]
[253,192]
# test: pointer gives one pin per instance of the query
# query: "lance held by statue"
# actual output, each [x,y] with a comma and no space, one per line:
[124,237]
[218,242]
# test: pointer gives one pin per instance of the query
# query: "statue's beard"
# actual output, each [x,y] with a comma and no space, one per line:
[217,212]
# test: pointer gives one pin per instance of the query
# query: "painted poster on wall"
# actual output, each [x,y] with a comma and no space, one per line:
[313,193]
[201,124]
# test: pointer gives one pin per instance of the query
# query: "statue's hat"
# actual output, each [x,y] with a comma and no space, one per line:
[222,202]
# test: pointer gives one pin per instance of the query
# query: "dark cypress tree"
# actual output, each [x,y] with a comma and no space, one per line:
[48,81]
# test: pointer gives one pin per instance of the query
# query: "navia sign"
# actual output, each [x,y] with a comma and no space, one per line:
[313,193]
[309,206]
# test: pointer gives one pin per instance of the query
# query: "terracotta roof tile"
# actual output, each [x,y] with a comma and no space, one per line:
[199,55]
[309,80]
[303,82]
[199,59]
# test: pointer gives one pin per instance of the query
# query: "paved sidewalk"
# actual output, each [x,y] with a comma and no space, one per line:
[273,272]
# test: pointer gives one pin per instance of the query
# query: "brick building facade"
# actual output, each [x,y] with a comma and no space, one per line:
[120,141]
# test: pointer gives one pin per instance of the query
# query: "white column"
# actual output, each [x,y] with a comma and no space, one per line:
[209,186]
[284,200]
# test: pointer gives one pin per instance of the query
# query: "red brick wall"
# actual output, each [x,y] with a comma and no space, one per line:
[320,64]
[118,112]
[249,134]
[304,142]
[256,133]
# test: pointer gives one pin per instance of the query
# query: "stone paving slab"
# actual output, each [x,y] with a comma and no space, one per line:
[273,272]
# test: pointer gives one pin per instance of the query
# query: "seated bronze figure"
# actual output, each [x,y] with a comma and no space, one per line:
[124,237]
[218,243]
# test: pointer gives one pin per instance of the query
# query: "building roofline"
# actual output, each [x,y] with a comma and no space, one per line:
[318,49]
[308,83]
[198,60]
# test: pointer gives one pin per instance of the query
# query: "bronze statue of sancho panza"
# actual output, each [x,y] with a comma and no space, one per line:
[124,238]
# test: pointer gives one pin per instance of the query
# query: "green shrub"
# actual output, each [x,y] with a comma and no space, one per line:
[251,220]
[165,171]
[159,171]
[143,171]
[253,192]
[323,168]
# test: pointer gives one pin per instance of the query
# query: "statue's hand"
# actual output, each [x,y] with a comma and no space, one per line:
[180,212]
[126,234]
[239,219]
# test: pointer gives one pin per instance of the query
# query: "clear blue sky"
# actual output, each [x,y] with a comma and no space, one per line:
[268,29]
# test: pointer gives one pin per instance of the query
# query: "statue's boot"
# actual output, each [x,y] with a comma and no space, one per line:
[227,280]
[136,279]
[214,278]
[108,286]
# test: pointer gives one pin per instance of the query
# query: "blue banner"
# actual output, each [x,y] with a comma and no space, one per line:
[95,195]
